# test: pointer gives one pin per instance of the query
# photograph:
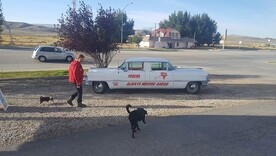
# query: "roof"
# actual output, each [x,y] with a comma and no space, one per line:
[146,38]
[166,31]
[146,59]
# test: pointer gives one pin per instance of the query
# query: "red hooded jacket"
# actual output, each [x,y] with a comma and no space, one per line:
[75,72]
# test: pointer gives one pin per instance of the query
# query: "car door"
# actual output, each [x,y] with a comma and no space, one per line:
[131,75]
[58,54]
[47,52]
[160,75]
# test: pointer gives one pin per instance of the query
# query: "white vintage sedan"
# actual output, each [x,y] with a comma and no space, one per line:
[147,73]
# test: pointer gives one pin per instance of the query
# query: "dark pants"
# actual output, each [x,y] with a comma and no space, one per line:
[78,93]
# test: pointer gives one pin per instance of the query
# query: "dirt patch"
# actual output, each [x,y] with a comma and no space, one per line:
[28,120]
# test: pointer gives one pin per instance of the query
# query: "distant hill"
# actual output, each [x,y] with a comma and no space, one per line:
[247,40]
[21,28]
[26,29]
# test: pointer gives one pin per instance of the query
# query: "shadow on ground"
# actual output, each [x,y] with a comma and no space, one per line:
[177,135]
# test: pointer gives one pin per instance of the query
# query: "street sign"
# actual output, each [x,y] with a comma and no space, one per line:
[3,101]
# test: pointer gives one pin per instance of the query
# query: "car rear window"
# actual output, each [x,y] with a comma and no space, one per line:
[159,65]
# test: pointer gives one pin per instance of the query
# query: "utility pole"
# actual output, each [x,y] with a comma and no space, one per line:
[8,26]
[74,5]
[225,37]
[154,36]
[122,28]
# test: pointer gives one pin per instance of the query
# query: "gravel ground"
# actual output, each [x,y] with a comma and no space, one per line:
[27,120]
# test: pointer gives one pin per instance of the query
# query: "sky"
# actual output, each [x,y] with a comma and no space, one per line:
[255,18]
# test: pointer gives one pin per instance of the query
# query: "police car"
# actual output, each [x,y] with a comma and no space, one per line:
[147,73]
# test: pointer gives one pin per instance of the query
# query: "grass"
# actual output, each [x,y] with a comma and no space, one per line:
[161,49]
[33,74]
[20,40]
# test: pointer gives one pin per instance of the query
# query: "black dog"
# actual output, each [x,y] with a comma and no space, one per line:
[135,116]
[45,99]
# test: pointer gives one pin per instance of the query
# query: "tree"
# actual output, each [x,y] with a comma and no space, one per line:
[136,39]
[127,26]
[178,21]
[199,26]
[79,31]
[146,31]
[217,38]
[1,19]
[203,27]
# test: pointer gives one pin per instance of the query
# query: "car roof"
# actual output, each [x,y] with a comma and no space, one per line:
[146,59]
[46,46]
[50,46]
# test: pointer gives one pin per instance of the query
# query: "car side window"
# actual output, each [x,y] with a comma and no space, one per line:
[123,66]
[47,49]
[159,65]
[170,67]
[44,49]
[51,49]
[58,50]
[135,65]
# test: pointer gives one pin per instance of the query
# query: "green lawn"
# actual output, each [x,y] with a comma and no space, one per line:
[33,74]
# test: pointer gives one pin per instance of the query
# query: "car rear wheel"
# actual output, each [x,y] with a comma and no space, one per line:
[42,58]
[69,58]
[99,87]
[193,87]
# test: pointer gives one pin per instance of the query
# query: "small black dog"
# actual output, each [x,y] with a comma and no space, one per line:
[46,99]
[135,116]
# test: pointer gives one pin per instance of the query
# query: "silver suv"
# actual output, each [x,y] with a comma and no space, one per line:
[44,53]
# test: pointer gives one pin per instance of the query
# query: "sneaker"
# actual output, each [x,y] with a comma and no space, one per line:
[81,105]
[70,102]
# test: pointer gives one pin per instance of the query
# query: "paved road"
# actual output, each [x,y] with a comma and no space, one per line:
[248,63]
[244,130]
[20,59]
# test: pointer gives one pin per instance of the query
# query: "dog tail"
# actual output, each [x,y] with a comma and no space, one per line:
[127,108]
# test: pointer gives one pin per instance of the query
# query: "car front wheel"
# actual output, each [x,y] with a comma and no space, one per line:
[69,58]
[193,87]
[99,87]
[42,58]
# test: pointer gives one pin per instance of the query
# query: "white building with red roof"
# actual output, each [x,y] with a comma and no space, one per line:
[167,38]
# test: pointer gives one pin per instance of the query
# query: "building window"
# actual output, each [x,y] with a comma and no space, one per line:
[177,44]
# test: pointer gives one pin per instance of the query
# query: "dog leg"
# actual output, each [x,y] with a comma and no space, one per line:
[137,126]
[133,130]
[133,127]
[133,134]
[144,120]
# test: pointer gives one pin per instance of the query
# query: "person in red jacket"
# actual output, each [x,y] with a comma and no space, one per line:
[76,77]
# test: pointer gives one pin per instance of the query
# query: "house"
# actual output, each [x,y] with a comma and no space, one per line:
[167,38]
[145,41]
